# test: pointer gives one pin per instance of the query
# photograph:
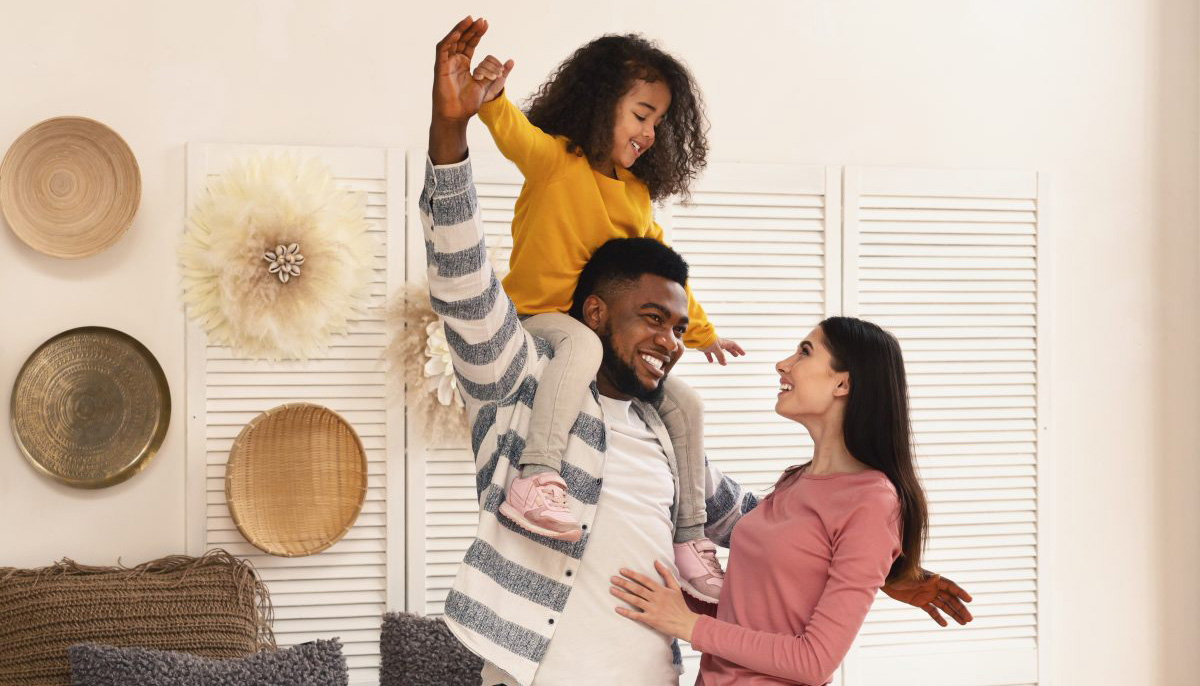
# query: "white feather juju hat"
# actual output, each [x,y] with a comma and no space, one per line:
[276,258]
[419,368]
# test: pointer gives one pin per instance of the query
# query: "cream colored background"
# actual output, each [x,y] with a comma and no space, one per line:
[1101,95]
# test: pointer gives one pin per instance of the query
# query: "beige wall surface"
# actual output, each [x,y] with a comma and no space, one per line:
[1102,96]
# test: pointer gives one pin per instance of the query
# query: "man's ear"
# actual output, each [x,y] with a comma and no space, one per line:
[842,388]
[595,312]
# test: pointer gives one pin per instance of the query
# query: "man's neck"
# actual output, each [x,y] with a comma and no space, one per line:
[605,387]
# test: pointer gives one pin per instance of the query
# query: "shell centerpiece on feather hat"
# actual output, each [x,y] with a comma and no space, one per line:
[276,258]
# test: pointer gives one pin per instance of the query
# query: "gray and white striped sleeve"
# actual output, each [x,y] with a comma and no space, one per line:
[491,350]
[725,501]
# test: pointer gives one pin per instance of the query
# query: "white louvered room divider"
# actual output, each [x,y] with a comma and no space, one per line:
[950,262]
[344,590]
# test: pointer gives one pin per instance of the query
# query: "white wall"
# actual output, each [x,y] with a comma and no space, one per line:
[1102,95]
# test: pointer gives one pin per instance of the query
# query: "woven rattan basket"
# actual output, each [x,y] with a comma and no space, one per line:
[213,606]
[296,479]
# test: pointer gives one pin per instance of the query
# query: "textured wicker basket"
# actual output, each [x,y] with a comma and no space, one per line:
[69,187]
[212,606]
[296,479]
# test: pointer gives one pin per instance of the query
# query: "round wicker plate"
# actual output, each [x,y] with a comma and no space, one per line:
[90,407]
[69,187]
[296,479]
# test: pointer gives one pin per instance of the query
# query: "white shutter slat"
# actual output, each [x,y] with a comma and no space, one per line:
[948,262]
[342,591]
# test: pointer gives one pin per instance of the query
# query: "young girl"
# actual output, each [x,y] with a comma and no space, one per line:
[619,125]
[804,565]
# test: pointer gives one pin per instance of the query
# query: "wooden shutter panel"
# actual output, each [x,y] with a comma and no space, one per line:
[948,261]
[344,590]
[764,248]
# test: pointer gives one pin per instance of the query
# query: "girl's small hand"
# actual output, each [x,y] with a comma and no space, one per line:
[492,73]
[660,608]
[720,347]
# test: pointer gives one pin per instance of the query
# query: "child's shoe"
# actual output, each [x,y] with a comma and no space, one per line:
[700,573]
[538,504]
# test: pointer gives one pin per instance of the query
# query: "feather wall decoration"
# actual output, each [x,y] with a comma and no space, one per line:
[419,367]
[276,258]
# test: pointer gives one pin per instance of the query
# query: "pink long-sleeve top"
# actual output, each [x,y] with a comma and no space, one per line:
[804,567]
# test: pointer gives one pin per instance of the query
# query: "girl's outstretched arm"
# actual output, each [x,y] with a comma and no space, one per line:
[536,153]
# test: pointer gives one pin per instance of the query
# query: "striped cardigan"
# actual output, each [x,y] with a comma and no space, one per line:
[512,585]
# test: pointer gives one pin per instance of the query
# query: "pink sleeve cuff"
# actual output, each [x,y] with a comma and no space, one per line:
[702,633]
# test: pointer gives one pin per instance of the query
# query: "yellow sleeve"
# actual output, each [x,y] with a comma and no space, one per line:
[535,152]
[700,332]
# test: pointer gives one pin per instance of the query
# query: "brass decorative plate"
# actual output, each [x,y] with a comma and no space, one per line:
[69,187]
[90,407]
[296,479]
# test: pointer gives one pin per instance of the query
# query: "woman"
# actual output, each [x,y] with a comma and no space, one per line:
[806,563]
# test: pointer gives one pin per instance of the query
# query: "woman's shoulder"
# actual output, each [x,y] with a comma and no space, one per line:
[869,488]
[874,481]
[864,502]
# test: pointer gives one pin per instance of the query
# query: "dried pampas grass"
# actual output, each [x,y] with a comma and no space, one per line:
[231,270]
[417,365]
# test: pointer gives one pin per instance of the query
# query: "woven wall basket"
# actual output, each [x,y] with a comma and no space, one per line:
[296,479]
[213,606]
[69,187]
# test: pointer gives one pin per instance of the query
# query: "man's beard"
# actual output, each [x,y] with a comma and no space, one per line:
[623,377]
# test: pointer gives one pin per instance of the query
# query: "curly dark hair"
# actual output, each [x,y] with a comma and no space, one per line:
[579,102]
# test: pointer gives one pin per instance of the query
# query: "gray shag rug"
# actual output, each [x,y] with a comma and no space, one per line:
[319,663]
[419,651]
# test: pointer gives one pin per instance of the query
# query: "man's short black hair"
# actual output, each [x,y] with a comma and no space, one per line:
[621,262]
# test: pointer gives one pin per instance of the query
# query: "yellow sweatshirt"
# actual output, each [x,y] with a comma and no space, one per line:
[565,212]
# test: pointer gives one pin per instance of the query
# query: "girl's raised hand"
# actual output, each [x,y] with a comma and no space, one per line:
[720,347]
[491,72]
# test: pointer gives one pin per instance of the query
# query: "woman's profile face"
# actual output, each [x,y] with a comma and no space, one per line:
[808,383]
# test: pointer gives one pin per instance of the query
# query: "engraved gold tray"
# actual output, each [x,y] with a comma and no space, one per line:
[90,407]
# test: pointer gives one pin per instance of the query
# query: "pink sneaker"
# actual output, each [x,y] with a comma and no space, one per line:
[700,573]
[538,503]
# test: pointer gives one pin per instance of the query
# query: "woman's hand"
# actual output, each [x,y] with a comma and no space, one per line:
[660,608]
[720,347]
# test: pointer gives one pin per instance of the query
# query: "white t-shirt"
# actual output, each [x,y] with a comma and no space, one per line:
[632,528]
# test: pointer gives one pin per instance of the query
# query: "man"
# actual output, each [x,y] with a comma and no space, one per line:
[538,610]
